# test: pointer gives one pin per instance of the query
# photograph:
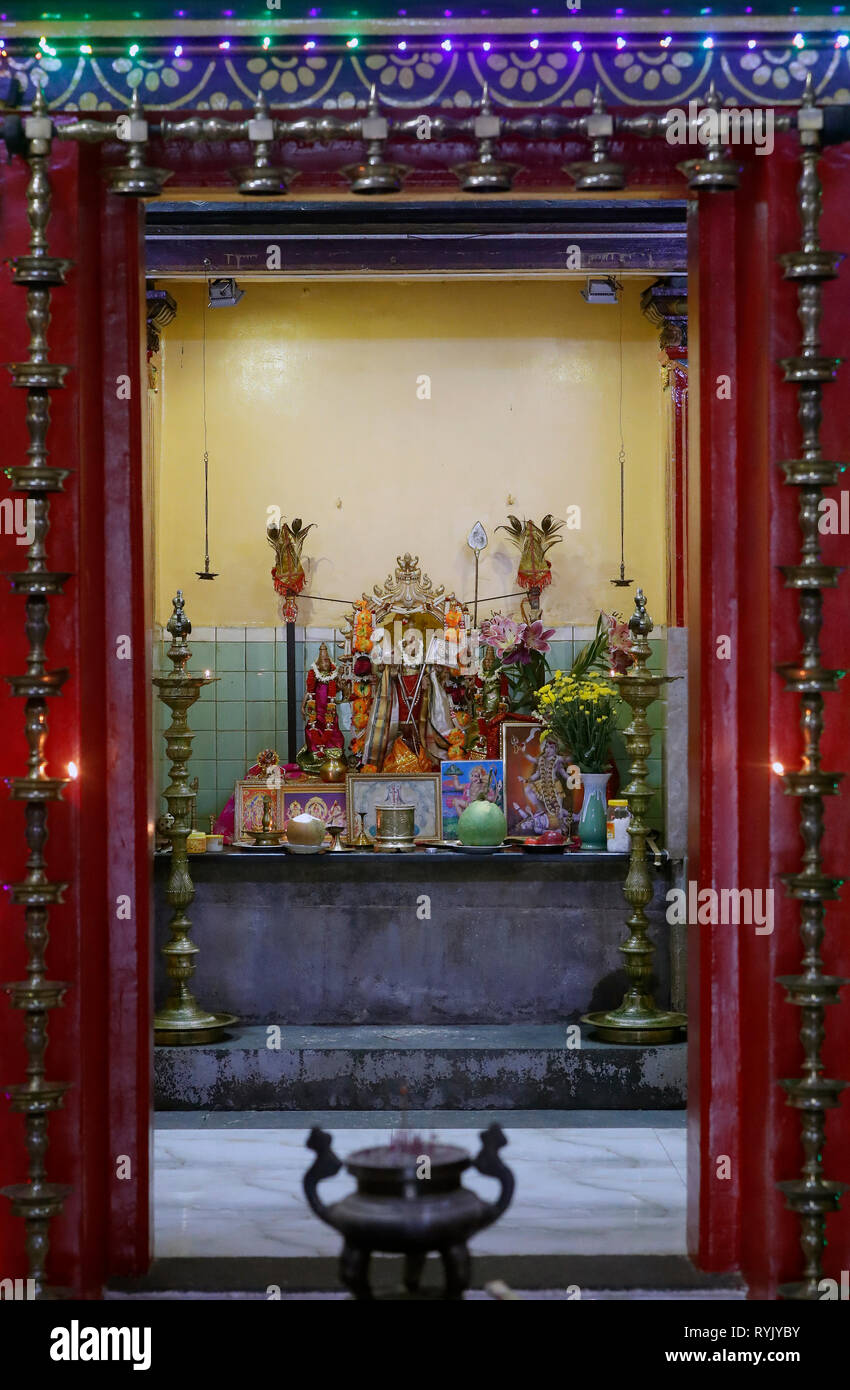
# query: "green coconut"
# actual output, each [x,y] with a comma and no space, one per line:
[482,823]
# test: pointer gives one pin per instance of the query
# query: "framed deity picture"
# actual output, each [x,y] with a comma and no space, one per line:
[320,799]
[536,794]
[421,790]
[252,793]
[464,780]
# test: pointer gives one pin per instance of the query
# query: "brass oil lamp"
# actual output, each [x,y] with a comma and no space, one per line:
[638,1019]
[181,1020]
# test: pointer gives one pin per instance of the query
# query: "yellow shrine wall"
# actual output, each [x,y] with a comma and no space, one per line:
[313,406]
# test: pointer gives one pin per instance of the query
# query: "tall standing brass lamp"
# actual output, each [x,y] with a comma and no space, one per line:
[181,1019]
[638,1019]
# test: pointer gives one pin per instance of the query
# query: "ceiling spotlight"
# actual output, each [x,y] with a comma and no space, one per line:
[224,294]
[601,290]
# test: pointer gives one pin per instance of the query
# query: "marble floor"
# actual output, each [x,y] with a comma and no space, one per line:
[594,1191]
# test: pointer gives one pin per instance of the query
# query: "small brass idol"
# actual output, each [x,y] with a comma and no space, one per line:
[181,1019]
[638,1019]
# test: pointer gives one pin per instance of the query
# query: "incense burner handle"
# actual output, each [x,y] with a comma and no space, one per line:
[489,1163]
[325,1165]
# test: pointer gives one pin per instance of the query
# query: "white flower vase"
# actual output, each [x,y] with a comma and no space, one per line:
[592,824]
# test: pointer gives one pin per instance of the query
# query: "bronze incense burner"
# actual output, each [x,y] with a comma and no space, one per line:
[409,1200]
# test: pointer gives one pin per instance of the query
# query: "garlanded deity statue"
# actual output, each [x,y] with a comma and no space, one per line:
[491,699]
[411,711]
[491,687]
[318,708]
[410,718]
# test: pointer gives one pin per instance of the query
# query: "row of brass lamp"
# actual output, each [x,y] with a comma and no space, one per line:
[714,168]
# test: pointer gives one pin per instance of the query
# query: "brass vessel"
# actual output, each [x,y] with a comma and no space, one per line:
[334,767]
[394,828]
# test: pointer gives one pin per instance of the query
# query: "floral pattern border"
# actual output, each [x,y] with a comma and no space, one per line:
[426,76]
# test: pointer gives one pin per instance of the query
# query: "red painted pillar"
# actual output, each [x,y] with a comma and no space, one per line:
[743,830]
[99,840]
[676,387]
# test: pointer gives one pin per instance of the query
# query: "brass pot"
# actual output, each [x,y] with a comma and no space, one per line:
[334,767]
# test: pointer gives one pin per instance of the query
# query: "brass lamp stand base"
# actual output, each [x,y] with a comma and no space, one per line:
[639,1026]
[174,1028]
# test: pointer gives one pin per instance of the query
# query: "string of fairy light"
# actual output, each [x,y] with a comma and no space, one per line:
[266,44]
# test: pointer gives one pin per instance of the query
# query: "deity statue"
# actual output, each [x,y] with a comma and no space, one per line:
[491,687]
[410,705]
[318,709]
[454,633]
[410,690]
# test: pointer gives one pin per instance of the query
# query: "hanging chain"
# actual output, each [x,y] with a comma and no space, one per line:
[206,574]
[622,453]
[622,582]
[206,451]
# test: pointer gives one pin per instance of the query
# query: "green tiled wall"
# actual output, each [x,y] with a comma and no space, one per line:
[244,710]
[241,712]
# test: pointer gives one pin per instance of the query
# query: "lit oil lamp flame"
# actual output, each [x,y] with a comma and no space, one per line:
[73,771]
[778,769]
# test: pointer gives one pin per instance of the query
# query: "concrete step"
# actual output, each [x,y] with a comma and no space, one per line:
[598,1276]
[514,1066]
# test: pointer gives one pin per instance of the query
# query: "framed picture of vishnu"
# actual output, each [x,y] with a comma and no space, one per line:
[537,793]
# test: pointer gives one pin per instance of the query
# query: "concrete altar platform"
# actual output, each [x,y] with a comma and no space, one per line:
[431,939]
[356,975]
[510,1067]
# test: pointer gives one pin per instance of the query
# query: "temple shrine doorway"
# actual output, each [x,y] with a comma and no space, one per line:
[745,319]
